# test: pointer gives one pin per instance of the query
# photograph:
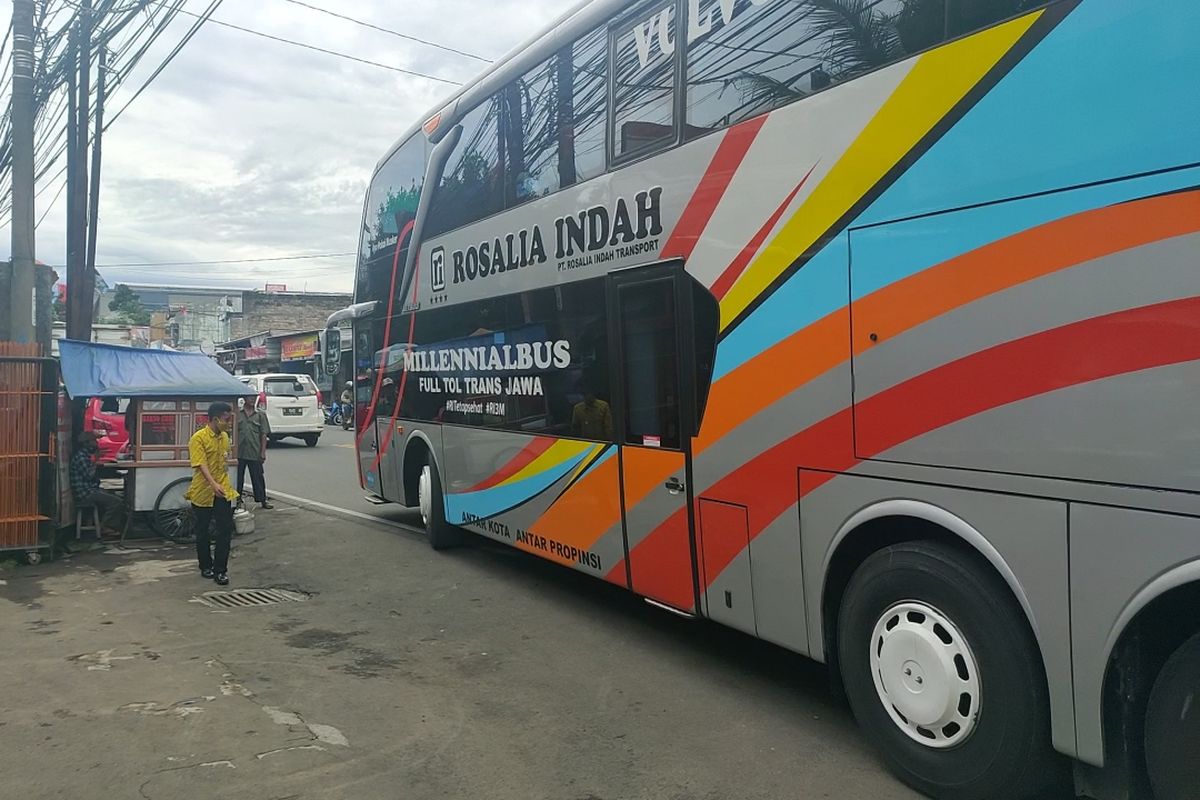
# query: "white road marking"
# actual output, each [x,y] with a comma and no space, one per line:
[305,502]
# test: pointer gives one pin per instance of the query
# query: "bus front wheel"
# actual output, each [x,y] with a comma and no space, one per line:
[1173,725]
[943,676]
[442,535]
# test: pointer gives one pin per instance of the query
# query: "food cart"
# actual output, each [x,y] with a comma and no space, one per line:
[169,394]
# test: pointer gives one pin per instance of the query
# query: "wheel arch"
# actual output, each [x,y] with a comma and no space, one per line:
[889,522]
[417,450]
[1157,620]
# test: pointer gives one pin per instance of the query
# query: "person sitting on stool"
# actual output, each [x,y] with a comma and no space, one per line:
[84,482]
[253,428]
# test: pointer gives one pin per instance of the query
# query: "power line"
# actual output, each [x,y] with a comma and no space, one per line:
[225,261]
[372,26]
[294,43]
[187,37]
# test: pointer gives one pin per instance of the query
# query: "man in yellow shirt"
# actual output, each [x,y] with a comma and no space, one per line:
[211,494]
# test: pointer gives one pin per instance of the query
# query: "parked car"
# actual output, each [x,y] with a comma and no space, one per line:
[106,416]
[292,404]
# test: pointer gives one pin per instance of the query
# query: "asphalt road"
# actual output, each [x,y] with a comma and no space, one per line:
[325,474]
[561,686]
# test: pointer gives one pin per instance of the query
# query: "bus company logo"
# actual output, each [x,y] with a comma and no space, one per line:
[437,269]
[629,227]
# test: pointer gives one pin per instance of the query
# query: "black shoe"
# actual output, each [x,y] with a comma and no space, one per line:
[222,579]
[206,573]
[265,505]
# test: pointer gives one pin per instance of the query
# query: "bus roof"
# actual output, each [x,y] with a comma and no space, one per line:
[583,16]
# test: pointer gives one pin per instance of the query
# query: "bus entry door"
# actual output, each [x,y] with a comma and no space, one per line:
[646,305]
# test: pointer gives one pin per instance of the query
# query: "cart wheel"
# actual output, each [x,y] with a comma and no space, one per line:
[173,513]
[33,558]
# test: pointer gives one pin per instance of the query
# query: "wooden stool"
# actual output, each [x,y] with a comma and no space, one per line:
[80,511]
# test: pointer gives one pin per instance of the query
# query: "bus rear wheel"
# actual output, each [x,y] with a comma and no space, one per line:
[943,676]
[1173,725]
[442,535]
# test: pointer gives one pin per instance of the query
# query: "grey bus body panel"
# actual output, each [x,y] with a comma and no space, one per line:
[1121,559]
[1024,539]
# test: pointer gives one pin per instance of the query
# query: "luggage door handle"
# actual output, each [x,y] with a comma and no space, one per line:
[674,485]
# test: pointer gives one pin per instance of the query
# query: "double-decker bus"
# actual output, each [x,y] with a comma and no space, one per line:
[871,329]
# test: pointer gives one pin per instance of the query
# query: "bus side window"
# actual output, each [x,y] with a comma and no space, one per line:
[747,57]
[531,134]
[644,82]
[583,108]
[472,185]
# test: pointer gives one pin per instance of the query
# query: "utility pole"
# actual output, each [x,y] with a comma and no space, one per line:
[94,194]
[74,314]
[20,299]
[81,281]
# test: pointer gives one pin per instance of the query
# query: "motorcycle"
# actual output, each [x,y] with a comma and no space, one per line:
[333,414]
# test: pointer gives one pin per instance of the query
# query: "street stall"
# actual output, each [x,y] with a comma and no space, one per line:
[169,394]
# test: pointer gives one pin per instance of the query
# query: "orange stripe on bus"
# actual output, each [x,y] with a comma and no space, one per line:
[1031,254]
[586,510]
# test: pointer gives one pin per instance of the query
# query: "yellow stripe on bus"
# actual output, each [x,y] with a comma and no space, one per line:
[937,81]
[555,454]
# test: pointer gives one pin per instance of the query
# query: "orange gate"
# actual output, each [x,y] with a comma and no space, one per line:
[28,386]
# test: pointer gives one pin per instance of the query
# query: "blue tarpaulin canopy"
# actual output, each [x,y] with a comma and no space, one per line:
[105,370]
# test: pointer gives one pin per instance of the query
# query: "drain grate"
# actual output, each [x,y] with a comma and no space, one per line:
[245,598]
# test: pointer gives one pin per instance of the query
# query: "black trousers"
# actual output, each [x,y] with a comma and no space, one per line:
[220,517]
[257,479]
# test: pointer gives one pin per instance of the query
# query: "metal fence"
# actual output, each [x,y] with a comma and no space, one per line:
[28,387]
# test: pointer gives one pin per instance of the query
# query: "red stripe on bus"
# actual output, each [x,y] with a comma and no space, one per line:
[514,465]
[1101,347]
[700,208]
[387,338]
[412,327]
[727,278]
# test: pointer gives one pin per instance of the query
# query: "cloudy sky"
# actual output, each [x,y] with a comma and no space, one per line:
[247,148]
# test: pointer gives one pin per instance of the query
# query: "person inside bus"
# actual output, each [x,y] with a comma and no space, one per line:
[387,397]
[592,418]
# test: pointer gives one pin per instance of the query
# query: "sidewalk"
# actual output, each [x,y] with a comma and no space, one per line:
[118,683]
[397,673]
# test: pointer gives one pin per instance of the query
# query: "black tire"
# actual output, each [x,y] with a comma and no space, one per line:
[1173,726]
[1009,753]
[172,516]
[311,440]
[442,535]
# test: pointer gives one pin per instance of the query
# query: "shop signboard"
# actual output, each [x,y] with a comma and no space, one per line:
[298,348]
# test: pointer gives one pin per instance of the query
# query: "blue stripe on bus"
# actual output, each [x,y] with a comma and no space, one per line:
[904,249]
[489,502]
[1080,108]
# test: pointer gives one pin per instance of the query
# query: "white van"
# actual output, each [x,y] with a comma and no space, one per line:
[292,404]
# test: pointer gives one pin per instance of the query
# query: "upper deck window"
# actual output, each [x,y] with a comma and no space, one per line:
[472,185]
[644,82]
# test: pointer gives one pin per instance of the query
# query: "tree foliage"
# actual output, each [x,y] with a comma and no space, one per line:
[128,306]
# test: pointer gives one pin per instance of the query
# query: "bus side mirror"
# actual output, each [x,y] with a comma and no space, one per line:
[332,354]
